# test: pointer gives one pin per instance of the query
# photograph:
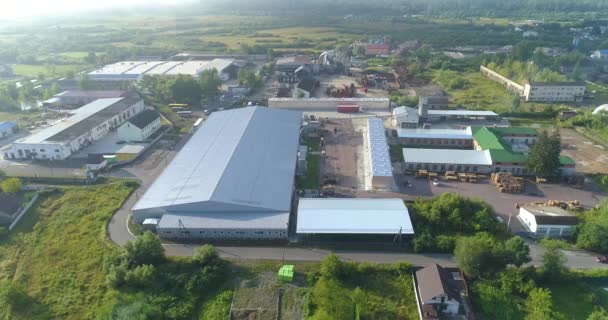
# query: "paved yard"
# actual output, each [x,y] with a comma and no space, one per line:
[503,203]
[342,150]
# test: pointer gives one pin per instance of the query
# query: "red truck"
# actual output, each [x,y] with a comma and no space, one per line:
[348,108]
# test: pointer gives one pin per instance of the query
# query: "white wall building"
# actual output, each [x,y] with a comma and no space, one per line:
[600,54]
[140,127]
[86,125]
[547,221]
[554,91]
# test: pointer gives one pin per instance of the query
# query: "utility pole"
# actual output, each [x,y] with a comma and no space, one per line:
[509,221]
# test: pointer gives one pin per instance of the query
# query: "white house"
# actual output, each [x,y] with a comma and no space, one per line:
[140,127]
[600,54]
[547,221]
[405,117]
[439,289]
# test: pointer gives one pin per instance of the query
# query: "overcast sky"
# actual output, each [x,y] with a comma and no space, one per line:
[28,8]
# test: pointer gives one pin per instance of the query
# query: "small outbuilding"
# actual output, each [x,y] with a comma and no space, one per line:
[140,127]
[547,221]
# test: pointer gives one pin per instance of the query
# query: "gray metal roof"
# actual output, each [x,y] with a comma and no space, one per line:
[223,220]
[380,159]
[466,134]
[239,160]
[464,113]
[447,156]
[353,216]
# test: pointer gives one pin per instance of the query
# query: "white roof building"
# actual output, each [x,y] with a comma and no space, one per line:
[236,171]
[134,70]
[447,156]
[461,113]
[353,216]
[405,117]
[378,156]
[465,134]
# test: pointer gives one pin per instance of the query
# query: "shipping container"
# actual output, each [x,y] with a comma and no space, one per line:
[347,108]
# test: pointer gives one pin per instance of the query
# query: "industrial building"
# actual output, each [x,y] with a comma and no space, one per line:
[329,104]
[436,138]
[433,102]
[84,126]
[234,179]
[135,70]
[405,117]
[554,91]
[547,221]
[352,218]
[78,98]
[491,149]
[377,156]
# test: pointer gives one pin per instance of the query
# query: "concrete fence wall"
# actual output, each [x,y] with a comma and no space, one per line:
[23,211]
[508,83]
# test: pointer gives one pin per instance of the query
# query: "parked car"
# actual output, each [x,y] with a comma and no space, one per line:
[206,112]
[602,259]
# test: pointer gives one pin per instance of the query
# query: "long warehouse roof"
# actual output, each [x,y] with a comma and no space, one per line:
[380,159]
[464,113]
[221,220]
[353,216]
[240,160]
[447,156]
[138,68]
[436,133]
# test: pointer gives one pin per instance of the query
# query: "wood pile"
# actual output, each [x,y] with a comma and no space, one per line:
[506,182]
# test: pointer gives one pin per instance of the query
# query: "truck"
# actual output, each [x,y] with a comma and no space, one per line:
[348,108]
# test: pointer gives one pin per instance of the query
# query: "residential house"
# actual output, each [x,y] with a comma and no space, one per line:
[140,127]
[547,221]
[405,117]
[378,46]
[441,291]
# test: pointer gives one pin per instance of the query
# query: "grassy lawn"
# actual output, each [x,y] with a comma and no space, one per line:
[576,300]
[373,292]
[311,180]
[57,251]
[31,70]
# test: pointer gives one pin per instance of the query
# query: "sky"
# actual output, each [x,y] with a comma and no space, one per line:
[30,8]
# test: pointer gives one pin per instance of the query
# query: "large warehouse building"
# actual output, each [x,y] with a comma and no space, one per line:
[353,218]
[86,125]
[330,104]
[135,70]
[234,179]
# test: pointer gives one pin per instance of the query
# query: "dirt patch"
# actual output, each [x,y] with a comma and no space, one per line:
[342,144]
[589,156]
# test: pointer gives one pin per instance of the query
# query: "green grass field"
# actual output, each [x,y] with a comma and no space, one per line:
[576,300]
[57,251]
[30,70]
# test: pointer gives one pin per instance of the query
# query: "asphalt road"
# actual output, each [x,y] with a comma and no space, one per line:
[155,160]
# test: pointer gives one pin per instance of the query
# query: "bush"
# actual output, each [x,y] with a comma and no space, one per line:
[146,249]
[205,255]
[11,185]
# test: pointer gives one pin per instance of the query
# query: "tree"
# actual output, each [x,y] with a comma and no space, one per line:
[554,260]
[518,250]
[205,255]
[480,255]
[543,159]
[598,314]
[495,303]
[146,249]
[84,82]
[270,54]
[539,305]
[91,58]
[515,103]
[11,185]
[185,89]
[592,232]
[210,83]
